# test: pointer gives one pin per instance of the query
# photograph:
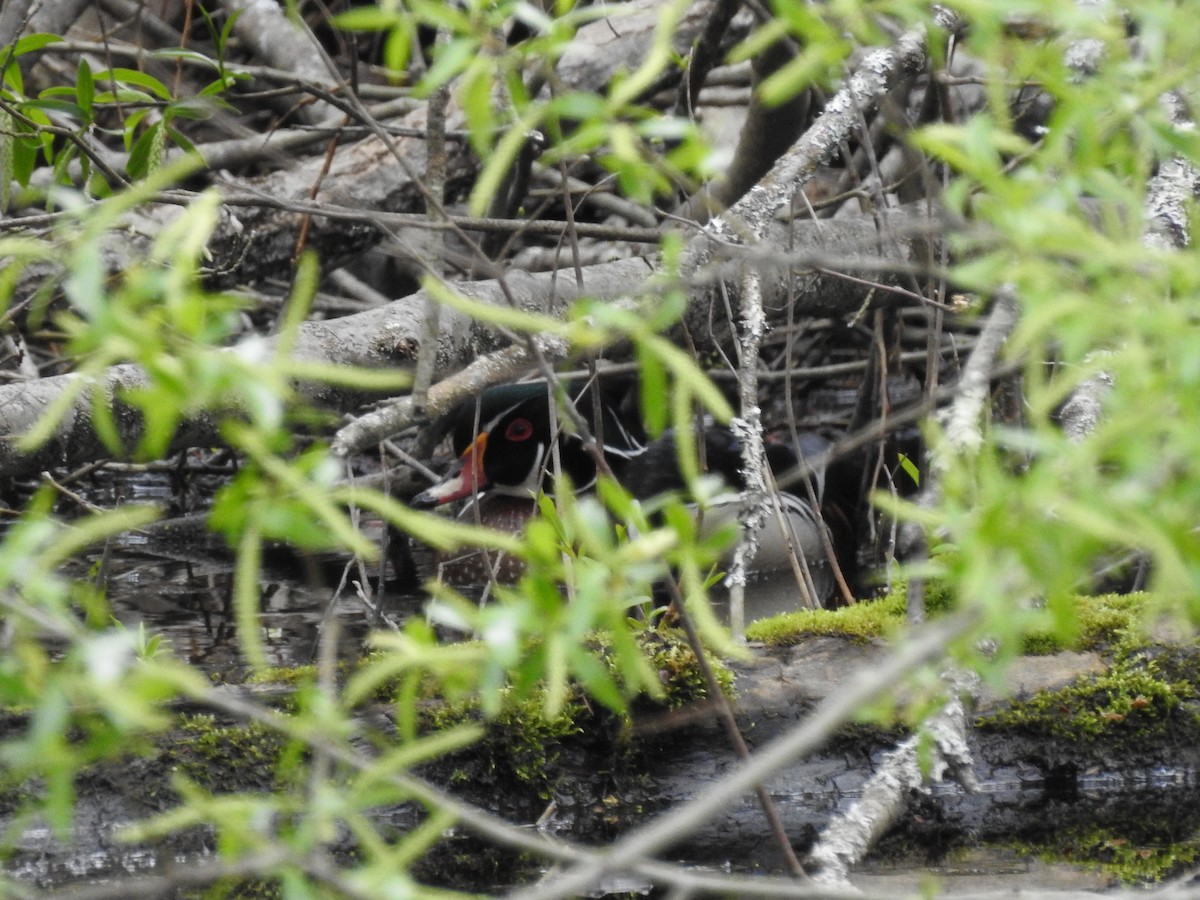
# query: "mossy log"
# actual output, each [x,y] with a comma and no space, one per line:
[1086,742]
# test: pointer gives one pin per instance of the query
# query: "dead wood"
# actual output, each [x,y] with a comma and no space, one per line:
[390,336]
[604,782]
[255,243]
[795,263]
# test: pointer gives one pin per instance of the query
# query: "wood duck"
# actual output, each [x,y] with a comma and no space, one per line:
[505,441]
[504,438]
[794,542]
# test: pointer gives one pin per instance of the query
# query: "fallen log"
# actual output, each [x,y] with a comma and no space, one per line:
[601,778]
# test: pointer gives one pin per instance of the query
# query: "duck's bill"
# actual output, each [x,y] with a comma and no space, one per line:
[467,482]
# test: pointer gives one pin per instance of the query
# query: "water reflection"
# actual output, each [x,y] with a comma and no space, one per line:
[190,604]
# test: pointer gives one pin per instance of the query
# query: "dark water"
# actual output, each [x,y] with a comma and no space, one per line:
[190,605]
[178,582]
[182,591]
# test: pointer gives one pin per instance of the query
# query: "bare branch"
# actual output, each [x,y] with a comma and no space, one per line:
[645,842]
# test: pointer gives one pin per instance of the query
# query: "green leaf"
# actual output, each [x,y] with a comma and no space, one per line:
[161,415]
[129,128]
[368,18]
[56,106]
[226,31]
[183,141]
[126,95]
[62,164]
[291,521]
[653,390]
[396,49]
[759,41]
[24,160]
[502,316]
[450,18]
[34,42]
[360,379]
[596,679]
[212,91]
[85,286]
[195,109]
[11,79]
[686,371]
[304,288]
[317,496]
[104,424]
[91,530]
[85,88]
[420,750]
[436,531]
[247,595]
[497,166]
[451,60]
[184,55]
[121,75]
[475,96]
[578,105]
[142,157]
[910,469]
[628,89]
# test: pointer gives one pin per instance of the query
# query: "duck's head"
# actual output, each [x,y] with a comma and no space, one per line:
[505,438]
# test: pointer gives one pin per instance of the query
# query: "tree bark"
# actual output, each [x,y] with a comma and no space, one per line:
[390,336]
[604,784]
[254,243]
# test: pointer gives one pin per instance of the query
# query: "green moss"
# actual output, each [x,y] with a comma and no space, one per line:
[291,676]
[1138,857]
[669,654]
[1177,662]
[1131,702]
[1107,621]
[527,743]
[224,758]
[861,622]
[522,742]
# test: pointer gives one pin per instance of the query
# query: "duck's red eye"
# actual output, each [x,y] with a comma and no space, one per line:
[518,430]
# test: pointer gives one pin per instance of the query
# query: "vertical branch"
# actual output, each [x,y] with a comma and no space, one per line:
[703,56]
[733,732]
[748,429]
[435,182]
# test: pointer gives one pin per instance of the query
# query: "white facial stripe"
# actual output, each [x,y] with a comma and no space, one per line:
[533,478]
[495,420]
[626,446]
[630,446]
[618,440]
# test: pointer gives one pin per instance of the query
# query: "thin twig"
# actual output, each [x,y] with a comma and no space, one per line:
[732,732]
